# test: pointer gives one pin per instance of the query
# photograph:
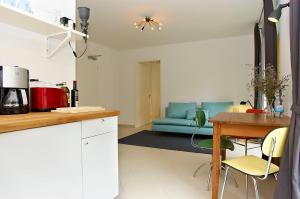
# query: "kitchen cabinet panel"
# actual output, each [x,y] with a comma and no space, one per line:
[100,166]
[41,163]
[98,126]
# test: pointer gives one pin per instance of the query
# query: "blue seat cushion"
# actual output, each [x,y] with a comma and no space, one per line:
[175,122]
[216,107]
[180,110]
[191,115]
[208,124]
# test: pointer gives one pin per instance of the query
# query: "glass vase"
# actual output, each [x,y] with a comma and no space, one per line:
[270,109]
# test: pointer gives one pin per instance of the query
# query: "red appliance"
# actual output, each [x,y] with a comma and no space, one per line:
[46,99]
[255,111]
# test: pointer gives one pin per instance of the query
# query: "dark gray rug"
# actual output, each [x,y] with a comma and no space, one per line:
[161,140]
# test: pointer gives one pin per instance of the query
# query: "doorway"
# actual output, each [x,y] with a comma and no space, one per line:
[148,92]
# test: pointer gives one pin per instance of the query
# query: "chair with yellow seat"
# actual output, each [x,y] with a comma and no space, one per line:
[255,167]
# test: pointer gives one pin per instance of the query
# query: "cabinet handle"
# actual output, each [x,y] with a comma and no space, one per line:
[86,143]
[102,120]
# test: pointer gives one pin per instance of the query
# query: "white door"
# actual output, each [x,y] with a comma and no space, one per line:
[155,90]
[148,93]
[145,95]
[100,167]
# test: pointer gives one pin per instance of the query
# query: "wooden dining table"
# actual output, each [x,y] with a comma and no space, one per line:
[239,125]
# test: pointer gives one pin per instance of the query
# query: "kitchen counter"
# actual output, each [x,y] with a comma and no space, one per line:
[9,123]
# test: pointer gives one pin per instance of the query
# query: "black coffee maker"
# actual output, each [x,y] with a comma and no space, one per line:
[14,90]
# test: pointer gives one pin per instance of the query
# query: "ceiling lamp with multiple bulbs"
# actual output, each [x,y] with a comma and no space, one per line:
[148,21]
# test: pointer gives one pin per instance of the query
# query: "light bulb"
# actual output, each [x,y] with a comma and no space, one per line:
[159,28]
[152,28]
[136,27]
[134,24]
[272,19]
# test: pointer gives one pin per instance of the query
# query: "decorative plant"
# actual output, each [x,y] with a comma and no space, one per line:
[266,81]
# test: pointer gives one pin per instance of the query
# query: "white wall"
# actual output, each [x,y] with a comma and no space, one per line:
[212,70]
[285,59]
[54,9]
[27,49]
[97,79]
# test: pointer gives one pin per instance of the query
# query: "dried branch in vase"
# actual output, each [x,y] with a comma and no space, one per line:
[266,81]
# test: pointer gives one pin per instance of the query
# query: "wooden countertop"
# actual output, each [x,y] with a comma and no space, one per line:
[250,119]
[9,123]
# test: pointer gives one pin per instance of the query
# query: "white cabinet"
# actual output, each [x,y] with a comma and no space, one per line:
[98,126]
[41,163]
[100,159]
[68,161]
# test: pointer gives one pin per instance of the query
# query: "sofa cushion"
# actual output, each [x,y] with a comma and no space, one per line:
[180,110]
[216,107]
[191,115]
[208,124]
[174,121]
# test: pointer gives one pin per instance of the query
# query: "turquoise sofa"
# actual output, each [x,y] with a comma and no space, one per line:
[181,117]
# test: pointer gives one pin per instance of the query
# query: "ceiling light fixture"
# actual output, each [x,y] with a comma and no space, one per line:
[276,14]
[148,21]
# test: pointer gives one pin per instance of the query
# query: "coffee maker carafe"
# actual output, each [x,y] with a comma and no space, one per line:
[14,88]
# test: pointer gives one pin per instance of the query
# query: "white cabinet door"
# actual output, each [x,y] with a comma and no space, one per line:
[41,163]
[100,166]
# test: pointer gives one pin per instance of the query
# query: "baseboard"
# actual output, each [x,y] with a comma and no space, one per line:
[140,126]
[127,125]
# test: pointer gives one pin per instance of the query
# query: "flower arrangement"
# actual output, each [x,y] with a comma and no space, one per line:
[266,82]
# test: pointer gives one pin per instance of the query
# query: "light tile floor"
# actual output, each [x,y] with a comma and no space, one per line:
[149,173]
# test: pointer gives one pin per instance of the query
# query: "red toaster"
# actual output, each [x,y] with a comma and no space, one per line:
[46,99]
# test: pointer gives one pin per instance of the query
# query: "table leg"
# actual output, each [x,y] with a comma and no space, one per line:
[216,160]
[246,179]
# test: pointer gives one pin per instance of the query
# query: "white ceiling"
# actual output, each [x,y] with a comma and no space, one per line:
[111,21]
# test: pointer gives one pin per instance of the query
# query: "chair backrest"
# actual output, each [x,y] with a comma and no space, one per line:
[255,111]
[279,135]
[200,118]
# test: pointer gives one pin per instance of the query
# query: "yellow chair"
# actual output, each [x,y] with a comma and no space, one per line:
[255,167]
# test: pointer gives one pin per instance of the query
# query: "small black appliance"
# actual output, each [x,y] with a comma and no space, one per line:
[14,90]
